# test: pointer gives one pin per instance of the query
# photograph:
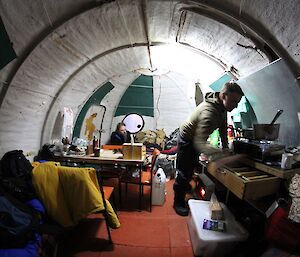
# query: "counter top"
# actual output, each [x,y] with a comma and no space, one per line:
[276,171]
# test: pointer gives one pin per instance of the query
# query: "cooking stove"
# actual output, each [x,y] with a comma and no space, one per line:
[261,150]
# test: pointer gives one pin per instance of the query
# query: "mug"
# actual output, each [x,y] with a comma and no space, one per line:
[286,160]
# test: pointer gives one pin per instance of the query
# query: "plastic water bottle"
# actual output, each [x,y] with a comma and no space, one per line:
[158,187]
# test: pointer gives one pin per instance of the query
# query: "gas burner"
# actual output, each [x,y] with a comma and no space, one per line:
[263,150]
[255,141]
[266,142]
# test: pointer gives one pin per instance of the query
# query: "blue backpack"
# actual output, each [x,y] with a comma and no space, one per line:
[18,222]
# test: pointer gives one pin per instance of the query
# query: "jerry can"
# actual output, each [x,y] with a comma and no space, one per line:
[158,187]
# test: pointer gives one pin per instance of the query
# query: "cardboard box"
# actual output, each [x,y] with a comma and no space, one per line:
[216,211]
[135,151]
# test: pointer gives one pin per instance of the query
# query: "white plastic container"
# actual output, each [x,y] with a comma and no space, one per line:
[208,243]
[158,187]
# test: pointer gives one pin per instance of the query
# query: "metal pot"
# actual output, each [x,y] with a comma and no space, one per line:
[268,131]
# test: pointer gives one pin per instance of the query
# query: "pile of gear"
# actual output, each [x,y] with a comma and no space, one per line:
[152,138]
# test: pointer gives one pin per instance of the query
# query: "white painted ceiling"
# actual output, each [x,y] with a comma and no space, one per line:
[67,49]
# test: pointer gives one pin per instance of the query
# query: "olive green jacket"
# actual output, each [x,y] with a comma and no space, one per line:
[207,117]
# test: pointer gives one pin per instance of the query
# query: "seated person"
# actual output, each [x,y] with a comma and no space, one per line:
[120,135]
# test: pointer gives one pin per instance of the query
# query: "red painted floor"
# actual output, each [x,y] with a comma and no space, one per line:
[158,233]
[143,234]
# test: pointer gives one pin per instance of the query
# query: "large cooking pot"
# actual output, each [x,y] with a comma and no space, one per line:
[267,131]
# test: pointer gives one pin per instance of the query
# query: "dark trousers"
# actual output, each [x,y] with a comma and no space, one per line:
[187,160]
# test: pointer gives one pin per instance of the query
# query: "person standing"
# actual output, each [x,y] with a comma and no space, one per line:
[194,132]
[120,135]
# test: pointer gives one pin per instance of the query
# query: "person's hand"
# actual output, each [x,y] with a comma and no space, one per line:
[203,157]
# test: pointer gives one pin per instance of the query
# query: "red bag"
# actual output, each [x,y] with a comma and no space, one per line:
[283,232]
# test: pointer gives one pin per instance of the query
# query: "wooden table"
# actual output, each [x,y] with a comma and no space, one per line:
[274,170]
[103,159]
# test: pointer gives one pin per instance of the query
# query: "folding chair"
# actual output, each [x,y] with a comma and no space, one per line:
[42,176]
[144,179]
[111,172]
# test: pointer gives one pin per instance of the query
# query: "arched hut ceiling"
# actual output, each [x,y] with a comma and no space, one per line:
[67,49]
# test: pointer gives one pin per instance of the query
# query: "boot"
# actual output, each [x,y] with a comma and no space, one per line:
[180,205]
[181,209]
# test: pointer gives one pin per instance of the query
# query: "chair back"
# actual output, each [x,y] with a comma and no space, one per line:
[154,162]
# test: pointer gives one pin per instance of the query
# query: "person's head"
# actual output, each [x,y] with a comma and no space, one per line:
[121,127]
[231,95]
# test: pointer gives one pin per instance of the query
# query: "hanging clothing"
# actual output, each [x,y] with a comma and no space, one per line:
[70,194]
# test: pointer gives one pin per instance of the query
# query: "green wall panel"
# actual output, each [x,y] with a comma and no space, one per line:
[7,53]
[95,99]
[144,80]
[218,84]
[138,98]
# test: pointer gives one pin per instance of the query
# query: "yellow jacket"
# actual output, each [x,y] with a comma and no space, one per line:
[70,194]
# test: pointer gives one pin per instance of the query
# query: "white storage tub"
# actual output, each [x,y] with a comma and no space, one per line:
[209,243]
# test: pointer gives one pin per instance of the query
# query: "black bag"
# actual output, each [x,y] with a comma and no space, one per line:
[18,222]
[167,166]
[46,153]
[172,139]
[16,174]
